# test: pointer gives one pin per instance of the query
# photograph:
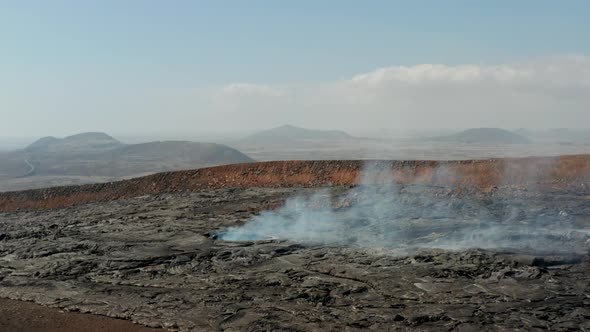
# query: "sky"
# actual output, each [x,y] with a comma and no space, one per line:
[152,67]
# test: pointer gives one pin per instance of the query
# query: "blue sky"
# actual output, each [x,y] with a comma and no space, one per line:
[218,41]
[103,48]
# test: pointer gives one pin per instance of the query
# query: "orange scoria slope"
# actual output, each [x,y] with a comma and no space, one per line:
[563,171]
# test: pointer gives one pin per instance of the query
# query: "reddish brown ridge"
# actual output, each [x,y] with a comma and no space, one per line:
[481,174]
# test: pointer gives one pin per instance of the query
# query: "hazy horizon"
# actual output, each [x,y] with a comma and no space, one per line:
[222,135]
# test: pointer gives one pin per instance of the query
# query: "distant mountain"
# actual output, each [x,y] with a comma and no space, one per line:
[83,142]
[485,136]
[288,133]
[98,157]
[42,143]
[189,152]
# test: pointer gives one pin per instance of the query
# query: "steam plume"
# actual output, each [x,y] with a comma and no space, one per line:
[380,213]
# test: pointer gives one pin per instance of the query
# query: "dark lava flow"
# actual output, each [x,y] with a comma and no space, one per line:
[153,260]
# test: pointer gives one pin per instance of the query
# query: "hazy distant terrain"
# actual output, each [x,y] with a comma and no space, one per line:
[562,136]
[289,134]
[98,157]
[477,143]
[485,136]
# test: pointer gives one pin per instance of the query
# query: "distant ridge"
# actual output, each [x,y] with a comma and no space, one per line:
[42,143]
[288,133]
[103,147]
[97,157]
[485,136]
[89,136]
[190,152]
[74,143]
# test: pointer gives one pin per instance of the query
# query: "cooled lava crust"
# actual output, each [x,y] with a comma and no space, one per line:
[563,171]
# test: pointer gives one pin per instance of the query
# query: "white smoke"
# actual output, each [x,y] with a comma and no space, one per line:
[381,213]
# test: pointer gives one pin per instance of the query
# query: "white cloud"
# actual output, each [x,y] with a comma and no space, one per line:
[549,92]
[565,70]
[419,74]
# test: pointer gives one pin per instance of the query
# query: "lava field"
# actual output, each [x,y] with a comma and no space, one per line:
[500,253]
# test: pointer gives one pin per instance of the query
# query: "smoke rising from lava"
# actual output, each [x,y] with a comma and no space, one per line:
[381,213]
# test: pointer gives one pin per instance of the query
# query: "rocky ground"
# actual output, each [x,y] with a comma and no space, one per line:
[160,260]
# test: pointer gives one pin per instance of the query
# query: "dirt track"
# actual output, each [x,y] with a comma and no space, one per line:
[17,316]
[562,171]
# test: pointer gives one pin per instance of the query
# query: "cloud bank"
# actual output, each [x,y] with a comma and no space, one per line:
[550,92]
[542,93]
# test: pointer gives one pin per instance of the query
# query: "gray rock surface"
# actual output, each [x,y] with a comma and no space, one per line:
[156,260]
